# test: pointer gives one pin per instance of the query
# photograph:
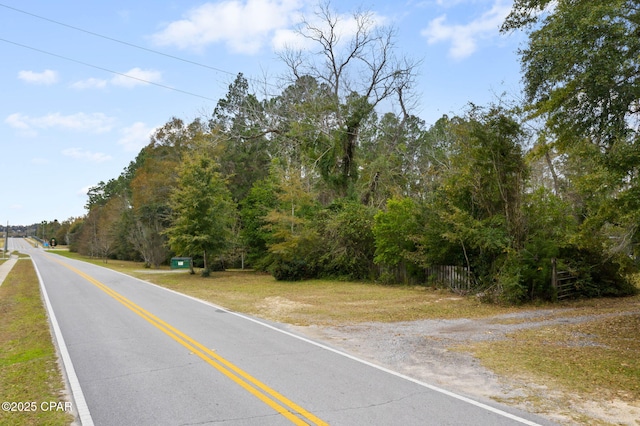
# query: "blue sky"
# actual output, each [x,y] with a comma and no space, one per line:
[72,116]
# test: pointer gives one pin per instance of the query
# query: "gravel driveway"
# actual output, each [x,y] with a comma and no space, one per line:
[421,349]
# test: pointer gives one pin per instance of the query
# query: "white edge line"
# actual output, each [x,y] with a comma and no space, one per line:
[328,348]
[76,391]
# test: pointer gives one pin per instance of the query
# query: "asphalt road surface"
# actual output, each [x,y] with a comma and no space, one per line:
[138,354]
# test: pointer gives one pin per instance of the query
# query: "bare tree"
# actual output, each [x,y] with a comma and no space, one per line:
[354,59]
[355,55]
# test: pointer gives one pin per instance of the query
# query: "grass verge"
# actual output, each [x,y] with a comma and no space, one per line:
[29,372]
[319,302]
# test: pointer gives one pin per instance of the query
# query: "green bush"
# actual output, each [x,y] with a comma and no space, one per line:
[293,270]
[509,280]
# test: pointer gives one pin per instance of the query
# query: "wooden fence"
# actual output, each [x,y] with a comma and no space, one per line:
[457,278]
[460,280]
[564,282]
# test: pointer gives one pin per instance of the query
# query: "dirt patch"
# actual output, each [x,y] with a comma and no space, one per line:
[276,306]
[429,350]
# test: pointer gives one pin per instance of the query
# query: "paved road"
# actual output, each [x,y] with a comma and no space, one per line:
[144,355]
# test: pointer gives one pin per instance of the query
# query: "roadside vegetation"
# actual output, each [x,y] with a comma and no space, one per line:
[29,371]
[316,180]
[6,255]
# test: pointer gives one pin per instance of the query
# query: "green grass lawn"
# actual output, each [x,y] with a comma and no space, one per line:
[30,379]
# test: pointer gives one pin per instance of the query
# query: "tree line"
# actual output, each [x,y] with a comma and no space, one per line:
[333,176]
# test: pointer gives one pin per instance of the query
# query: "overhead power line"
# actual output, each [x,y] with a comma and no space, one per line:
[115,40]
[106,69]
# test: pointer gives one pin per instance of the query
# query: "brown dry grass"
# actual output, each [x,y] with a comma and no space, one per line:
[320,302]
[323,302]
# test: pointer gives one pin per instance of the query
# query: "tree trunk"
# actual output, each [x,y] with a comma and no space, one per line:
[556,186]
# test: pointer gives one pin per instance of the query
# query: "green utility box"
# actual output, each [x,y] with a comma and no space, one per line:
[180,262]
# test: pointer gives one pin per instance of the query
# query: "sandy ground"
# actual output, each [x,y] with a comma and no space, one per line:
[422,350]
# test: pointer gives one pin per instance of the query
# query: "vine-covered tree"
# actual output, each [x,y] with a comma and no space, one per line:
[359,70]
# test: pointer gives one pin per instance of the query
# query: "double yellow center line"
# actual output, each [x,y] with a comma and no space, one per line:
[272,398]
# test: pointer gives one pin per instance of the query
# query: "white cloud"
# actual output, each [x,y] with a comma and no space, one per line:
[95,123]
[90,83]
[133,77]
[84,190]
[135,136]
[18,121]
[136,77]
[243,25]
[46,77]
[83,154]
[345,29]
[21,123]
[287,38]
[449,3]
[40,161]
[464,38]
